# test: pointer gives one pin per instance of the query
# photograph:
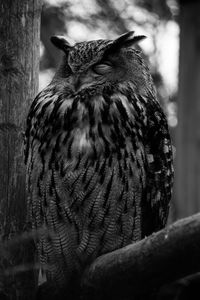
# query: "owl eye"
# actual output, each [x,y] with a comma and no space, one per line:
[102,68]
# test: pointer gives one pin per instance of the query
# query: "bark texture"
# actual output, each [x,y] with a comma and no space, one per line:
[19,67]
[140,269]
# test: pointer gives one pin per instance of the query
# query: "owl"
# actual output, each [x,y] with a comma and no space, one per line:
[98,155]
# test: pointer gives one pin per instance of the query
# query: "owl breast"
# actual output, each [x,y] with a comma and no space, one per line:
[87,163]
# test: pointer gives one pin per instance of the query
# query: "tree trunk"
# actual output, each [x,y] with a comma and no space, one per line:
[187,191]
[19,67]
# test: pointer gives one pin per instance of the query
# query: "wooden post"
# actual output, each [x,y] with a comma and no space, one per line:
[187,188]
[19,67]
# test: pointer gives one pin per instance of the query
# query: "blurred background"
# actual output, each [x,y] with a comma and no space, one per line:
[172,50]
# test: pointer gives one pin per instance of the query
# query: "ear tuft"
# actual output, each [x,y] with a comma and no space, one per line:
[138,38]
[134,40]
[61,43]
[125,40]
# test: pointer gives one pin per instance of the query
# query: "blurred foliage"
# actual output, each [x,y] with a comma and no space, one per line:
[164,9]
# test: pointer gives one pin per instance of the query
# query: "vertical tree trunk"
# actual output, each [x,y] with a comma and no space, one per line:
[188,132]
[19,66]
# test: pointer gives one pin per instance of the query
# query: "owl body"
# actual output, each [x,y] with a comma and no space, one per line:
[99,157]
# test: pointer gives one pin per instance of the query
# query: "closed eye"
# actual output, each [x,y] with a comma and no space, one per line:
[102,68]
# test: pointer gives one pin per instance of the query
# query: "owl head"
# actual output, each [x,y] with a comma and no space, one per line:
[101,62]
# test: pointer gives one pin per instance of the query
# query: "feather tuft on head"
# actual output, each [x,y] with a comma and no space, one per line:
[61,43]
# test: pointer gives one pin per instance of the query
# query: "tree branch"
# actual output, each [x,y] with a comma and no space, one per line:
[137,269]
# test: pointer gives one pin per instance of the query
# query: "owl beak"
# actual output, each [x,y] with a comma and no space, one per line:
[81,81]
[77,83]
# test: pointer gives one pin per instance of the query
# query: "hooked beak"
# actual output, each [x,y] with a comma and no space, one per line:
[77,83]
[83,80]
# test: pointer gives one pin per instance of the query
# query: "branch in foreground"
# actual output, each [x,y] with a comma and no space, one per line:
[137,269]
